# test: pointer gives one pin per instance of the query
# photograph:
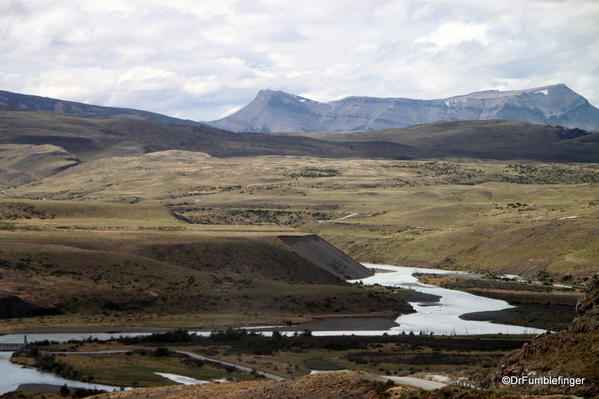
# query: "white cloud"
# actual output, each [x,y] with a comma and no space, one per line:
[200,59]
[453,33]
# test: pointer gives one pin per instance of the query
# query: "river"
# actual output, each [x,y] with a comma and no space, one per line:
[439,318]
[12,375]
[443,317]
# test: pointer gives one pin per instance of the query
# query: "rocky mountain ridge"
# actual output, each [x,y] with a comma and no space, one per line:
[277,111]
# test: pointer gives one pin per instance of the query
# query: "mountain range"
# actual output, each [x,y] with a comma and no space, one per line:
[277,111]
[56,140]
[280,112]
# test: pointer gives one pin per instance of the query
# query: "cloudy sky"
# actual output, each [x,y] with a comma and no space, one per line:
[202,59]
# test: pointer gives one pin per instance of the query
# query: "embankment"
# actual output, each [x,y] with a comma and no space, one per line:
[326,256]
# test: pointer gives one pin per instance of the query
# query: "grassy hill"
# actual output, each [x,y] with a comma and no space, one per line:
[340,384]
[20,164]
[489,139]
[107,263]
[92,138]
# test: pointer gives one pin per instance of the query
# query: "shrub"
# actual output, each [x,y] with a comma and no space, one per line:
[161,352]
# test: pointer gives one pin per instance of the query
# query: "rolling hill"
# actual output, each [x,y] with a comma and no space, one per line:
[277,111]
[94,138]
[24,163]
[89,138]
[489,139]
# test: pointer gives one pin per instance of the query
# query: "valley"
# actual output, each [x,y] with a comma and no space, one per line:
[124,226]
[382,199]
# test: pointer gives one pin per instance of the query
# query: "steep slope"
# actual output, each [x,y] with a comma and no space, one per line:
[275,111]
[587,309]
[326,256]
[38,103]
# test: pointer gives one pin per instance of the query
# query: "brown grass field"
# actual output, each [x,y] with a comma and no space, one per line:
[509,217]
[186,236]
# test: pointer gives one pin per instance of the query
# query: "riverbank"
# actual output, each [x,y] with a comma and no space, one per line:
[52,390]
[438,310]
[149,323]
[13,375]
[145,322]
[89,329]
[138,366]
[533,305]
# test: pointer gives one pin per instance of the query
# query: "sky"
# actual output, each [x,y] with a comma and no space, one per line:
[203,59]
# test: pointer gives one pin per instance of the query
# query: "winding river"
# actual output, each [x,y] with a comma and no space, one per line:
[439,318]
[443,317]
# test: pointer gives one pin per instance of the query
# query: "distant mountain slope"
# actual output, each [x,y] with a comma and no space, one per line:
[276,111]
[37,103]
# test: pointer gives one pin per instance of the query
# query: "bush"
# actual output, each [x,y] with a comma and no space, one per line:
[161,352]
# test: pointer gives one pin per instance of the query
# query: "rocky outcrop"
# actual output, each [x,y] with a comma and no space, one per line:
[277,111]
[571,354]
[587,309]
